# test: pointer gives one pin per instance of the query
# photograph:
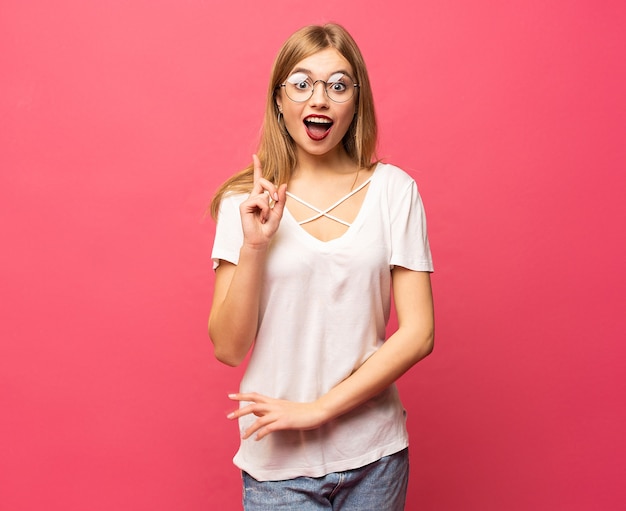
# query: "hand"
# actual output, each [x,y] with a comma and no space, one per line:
[262,211]
[276,414]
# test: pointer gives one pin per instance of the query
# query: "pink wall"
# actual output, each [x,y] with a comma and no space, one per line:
[117,121]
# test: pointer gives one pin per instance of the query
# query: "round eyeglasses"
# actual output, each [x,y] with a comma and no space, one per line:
[339,88]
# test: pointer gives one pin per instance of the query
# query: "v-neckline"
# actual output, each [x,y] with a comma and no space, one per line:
[324,212]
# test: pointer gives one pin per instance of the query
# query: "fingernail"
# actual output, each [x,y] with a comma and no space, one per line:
[232,396]
[231,415]
[276,196]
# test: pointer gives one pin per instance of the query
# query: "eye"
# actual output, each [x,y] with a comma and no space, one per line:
[337,87]
[300,81]
[338,83]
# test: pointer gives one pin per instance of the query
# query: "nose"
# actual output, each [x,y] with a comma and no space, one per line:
[319,96]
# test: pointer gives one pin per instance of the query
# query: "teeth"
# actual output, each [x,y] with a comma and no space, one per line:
[318,120]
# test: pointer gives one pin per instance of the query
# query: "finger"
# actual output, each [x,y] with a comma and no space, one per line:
[275,214]
[257,176]
[258,171]
[246,410]
[280,201]
[265,426]
[252,397]
[260,184]
[258,204]
[261,427]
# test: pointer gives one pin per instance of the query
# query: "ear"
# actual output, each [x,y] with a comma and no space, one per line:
[279,102]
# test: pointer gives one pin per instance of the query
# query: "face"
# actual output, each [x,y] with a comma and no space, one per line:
[318,124]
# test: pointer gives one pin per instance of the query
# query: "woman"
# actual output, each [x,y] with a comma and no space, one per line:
[303,278]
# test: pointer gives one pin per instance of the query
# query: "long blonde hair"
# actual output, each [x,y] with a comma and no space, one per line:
[276,148]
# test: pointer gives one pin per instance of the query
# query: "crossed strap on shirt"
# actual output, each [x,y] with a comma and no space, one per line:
[321,213]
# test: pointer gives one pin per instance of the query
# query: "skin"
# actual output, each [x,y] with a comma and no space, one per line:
[311,153]
[323,171]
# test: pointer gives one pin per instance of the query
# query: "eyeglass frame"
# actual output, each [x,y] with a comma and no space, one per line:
[284,84]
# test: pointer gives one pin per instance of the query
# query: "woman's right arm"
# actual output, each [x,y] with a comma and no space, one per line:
[234,314]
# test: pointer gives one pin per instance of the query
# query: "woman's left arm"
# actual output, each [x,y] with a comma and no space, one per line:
[411,342]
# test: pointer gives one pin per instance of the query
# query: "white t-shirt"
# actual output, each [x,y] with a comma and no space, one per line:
[324,308]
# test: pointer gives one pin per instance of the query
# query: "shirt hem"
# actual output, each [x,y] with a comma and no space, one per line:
[321,470]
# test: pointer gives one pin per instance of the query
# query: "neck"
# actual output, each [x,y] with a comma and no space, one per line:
[335,162]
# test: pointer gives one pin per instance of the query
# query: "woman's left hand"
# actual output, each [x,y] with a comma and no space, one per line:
[276,414]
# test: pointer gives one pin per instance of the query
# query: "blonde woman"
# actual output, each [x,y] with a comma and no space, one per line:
[312,240]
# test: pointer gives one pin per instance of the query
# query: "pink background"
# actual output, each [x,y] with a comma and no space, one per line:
[117,121]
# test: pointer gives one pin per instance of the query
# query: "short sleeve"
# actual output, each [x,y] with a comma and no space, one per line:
[228,232]
[409,236]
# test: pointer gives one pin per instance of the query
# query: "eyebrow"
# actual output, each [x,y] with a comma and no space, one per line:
[309,73]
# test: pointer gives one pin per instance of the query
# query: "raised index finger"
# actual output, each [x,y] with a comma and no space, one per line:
[258,171]
[260,184]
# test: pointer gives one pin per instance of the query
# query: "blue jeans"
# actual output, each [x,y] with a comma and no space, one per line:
[379,486]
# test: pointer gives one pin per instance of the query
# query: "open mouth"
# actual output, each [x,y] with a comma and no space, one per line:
[318,127]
